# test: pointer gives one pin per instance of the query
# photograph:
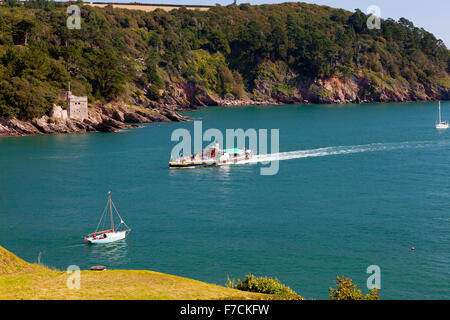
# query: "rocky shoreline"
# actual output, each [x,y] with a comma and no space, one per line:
[355,89]
[102,118]
[186,96]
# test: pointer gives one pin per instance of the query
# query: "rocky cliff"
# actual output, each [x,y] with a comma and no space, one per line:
[270,89]
[356,89]
[102,118]
[277,83]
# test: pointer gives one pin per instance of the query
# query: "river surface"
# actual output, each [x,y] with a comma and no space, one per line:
[357,185]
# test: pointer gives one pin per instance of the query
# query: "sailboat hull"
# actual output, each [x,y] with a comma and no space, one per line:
[110,237]
[442,125]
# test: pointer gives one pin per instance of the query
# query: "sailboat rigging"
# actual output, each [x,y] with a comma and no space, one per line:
[114,233]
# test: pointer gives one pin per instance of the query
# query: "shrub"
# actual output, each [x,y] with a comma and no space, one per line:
[153,93]
[346,290]
[264,285]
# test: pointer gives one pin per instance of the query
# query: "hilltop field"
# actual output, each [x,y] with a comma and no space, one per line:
[145,7]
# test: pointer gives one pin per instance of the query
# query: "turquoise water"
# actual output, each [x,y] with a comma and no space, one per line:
[378,185]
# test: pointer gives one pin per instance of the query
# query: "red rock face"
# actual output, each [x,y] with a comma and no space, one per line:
[360,89]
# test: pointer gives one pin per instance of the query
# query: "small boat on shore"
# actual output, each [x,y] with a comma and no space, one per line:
[441,124]
[212,157]
[114,233]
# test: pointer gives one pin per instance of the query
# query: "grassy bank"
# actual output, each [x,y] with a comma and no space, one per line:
[22,280]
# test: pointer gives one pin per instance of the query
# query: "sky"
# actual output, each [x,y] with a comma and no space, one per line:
[432,15]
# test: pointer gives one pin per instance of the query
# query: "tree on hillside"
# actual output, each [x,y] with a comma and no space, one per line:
[12,3]
[346,290]
[22,30]
[106,74]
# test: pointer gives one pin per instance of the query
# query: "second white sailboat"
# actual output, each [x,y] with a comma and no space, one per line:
[441,124]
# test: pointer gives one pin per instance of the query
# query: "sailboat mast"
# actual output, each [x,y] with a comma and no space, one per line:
[110,210]
[439,111]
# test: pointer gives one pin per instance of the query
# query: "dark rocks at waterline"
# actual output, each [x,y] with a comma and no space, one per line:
[357,88]
[102,118]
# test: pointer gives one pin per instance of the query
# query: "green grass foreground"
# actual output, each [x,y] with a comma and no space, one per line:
[22,280]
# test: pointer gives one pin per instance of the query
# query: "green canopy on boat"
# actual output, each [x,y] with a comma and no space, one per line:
[233,150]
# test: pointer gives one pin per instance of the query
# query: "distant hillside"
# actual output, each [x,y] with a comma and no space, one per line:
[281,53]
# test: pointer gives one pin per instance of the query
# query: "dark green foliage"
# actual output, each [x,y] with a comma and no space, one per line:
[219,50]
[151,76]
[40,4]
[24,98]
[264,285]
[106,75]
[12,3]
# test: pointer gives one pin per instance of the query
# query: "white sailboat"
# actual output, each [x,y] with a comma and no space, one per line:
[441,124]
[115,233]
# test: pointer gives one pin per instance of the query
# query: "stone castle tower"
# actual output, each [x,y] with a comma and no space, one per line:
[77,107]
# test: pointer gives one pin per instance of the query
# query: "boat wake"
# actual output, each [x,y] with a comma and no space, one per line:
[441,219]
[329,151]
